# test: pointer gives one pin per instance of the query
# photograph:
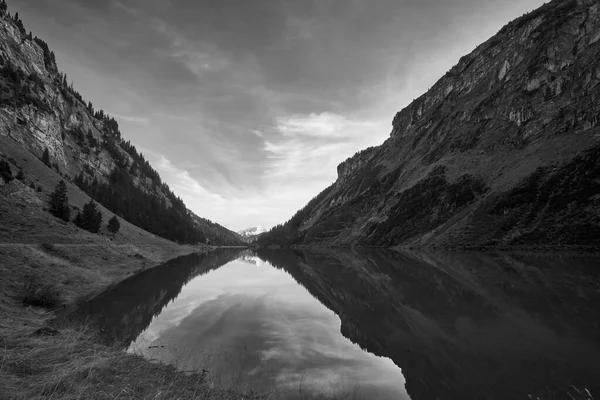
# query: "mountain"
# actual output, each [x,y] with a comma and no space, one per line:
[249,235]
[502,151]
[45,115]
[255,230]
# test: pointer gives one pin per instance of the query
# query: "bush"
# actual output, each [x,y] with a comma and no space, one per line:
[20,175]
[48,247]
[38,294]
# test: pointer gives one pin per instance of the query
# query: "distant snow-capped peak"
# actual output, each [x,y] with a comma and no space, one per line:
[255,230]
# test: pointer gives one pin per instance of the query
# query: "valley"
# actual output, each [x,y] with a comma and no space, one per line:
[455,260]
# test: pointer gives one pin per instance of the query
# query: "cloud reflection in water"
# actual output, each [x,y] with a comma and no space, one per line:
[254,325]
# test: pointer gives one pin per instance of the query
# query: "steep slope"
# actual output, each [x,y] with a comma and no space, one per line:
[215,233]
[41,112]
[503,150]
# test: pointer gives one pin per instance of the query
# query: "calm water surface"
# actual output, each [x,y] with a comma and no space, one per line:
[367,324]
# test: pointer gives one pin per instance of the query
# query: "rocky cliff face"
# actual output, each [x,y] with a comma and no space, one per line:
[502,150]
[47,115]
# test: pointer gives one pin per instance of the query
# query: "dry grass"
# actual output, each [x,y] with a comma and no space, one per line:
[70,363]
[73,365]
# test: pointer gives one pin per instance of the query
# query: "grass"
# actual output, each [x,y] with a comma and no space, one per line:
[73,365]
[38,294]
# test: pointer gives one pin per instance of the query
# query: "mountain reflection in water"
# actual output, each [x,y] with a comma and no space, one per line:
[468,326]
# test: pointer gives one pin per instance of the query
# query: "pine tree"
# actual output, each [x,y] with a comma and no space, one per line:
[113,224]
[46,157]
[59,202]
[90,219]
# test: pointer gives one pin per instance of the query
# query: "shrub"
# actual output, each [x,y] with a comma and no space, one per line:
[20,175]
[38,294]
[48,247]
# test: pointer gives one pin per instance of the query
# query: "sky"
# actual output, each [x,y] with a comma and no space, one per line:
[246,107]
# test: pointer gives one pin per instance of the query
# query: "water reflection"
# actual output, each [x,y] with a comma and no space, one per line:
[465,326]
[468,326]
[125,310]
[251,325]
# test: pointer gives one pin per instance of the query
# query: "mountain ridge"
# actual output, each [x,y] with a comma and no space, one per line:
[499,152]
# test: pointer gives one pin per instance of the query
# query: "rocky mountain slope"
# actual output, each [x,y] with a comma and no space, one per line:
[502,151]
[41,112]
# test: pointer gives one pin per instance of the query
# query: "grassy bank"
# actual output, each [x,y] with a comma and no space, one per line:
[41,360]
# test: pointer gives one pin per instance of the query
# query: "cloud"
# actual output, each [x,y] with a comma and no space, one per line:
[130,118]
[309,147]
[325,125]
[182,183]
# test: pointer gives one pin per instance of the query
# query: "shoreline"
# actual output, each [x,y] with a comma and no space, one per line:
[45,358]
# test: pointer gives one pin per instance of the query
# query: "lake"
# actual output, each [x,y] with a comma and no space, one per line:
[367,324]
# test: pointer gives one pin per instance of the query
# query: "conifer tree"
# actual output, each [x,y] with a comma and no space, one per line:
[46,157]
[113,224]
[90,219]
[59,202]
[5,171]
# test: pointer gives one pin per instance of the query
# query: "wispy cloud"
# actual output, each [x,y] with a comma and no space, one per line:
[310,146]
[131,118]
[183,183]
